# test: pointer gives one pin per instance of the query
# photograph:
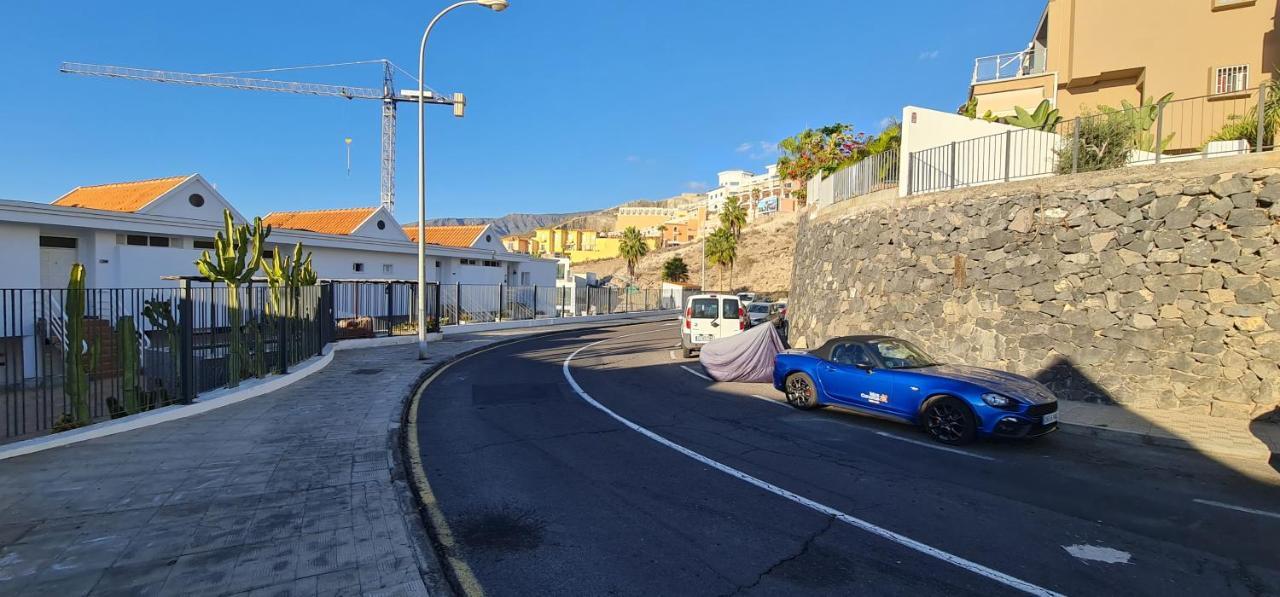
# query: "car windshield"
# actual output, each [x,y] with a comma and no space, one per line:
[758,308]
[900,354]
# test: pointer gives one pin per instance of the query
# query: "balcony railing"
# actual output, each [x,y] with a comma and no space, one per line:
[1008,66]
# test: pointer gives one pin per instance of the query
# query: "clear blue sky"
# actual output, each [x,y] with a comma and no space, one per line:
[574,104]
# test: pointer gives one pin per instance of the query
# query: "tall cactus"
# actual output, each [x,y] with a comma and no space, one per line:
[285,276]
[79,354]
[127,340]
[237,257]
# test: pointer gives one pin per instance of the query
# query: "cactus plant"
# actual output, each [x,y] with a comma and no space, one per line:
[127,339]
[237,257]
[80,355]
[1044,118]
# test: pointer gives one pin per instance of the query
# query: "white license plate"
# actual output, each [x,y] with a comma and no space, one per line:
[1050,418]
[702,338]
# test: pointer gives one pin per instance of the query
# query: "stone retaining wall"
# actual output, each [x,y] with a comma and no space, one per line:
[1153,288]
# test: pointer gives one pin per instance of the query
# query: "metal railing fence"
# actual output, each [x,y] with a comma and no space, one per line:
[69,358]
[1180,130]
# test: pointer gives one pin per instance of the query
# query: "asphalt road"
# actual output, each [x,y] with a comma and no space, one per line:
[544,492]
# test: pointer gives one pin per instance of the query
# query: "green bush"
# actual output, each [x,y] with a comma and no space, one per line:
[1104,142]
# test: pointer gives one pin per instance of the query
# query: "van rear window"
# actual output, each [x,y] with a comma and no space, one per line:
[705,308]
[730,309]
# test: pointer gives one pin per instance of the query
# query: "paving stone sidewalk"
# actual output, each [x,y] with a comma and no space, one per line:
[1210,435]
[296,492]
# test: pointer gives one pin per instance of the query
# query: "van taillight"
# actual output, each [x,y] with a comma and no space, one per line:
[742,319]
[688,322]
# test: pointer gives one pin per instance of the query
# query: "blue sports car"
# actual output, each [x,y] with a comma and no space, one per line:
[891,377]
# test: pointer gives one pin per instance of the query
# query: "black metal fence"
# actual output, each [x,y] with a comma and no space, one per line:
[1188,129]
[69,358]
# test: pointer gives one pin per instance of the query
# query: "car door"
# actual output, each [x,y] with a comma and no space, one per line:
[704,320]
[728,324]
[853,377]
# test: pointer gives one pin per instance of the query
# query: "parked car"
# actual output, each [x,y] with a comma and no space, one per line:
[759,312]
[746,298]
[891,377]
[710,317]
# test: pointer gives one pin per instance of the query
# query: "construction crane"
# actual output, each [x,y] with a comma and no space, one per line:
[387,95]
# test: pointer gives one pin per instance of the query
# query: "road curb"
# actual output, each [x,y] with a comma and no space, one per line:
[409,477]
[1146,439]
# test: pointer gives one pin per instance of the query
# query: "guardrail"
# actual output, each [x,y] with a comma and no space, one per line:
[1012,65]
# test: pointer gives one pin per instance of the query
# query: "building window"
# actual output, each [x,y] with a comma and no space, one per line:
[382,225]
[136,240]
[387,268]
[159,241]
[203,244]
[1230,79]
[60,242]
[196,200]
[469,262]
[357,267]
[491,264]
[437,264]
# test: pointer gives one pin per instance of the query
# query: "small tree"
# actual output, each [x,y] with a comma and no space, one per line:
[733,217]
[722,250]
[632,248]
[675,270]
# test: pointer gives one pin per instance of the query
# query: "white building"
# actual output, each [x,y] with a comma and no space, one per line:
[748,187]
[130,235]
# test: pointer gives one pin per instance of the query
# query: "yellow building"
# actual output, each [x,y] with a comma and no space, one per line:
[605,247]
[554,242]
[1086,53]
[643,217]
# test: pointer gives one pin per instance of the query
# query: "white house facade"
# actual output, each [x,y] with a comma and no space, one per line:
[133,235]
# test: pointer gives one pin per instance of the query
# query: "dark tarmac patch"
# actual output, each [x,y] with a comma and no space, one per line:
[508,529]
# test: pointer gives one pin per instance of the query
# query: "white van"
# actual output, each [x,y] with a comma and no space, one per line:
[709,317]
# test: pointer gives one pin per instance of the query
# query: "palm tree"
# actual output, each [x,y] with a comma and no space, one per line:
[733,217]
[675,270]
[632,248]
[662,236]
[722,249]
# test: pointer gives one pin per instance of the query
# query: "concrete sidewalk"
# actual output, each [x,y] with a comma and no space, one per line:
[1202,433]
[297,492]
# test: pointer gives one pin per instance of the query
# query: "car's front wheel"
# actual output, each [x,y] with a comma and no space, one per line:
[948,420]
[801,392]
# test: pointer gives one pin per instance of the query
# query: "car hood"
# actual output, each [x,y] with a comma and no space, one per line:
[1000,382]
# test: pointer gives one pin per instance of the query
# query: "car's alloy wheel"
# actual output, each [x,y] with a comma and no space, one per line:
[949,421]
[800,391]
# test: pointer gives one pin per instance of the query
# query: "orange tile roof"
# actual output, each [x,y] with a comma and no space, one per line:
[324,221]
[449,236]
[120,196]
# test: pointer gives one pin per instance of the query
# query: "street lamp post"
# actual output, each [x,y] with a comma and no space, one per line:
[496,6]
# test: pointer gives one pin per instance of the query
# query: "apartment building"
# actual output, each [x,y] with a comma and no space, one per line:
[1085,53]
[750,189]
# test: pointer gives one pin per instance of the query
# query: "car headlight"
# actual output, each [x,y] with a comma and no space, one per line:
[997,400]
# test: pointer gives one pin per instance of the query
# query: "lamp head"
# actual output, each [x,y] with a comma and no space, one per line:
[494,5]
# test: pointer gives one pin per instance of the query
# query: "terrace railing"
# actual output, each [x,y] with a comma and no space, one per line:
[1180,130]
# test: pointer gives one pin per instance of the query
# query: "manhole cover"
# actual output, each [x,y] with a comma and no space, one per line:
[366,371]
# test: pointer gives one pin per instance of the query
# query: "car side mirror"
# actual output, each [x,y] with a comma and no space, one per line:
[864,366]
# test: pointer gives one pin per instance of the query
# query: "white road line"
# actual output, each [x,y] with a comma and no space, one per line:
[1236,508]
[770,400]
[858,523]
[696,373]
[934,446]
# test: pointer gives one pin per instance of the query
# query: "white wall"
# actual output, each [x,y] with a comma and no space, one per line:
[390,230]
[175,202]
[978,162]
